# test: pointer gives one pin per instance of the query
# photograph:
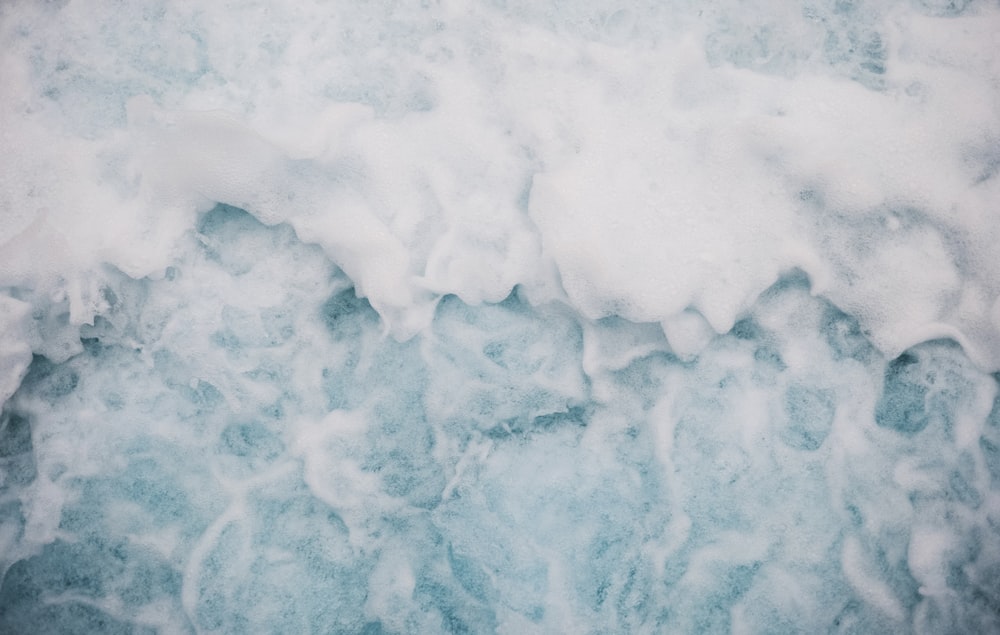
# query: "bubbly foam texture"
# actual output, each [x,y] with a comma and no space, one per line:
[510,318]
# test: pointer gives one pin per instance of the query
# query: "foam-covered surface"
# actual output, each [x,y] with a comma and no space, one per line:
[509,317]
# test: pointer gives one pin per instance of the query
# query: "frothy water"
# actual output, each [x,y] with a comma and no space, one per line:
[499,318]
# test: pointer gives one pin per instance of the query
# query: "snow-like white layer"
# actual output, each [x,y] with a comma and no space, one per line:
[465,150]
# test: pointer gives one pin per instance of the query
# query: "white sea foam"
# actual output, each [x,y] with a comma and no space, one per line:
[506,317]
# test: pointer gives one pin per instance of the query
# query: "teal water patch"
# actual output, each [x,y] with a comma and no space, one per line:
[220,459]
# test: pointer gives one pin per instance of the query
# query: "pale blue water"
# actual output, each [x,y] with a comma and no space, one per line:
[497,482]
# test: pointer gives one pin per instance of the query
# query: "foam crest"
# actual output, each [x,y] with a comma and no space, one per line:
[661,173]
